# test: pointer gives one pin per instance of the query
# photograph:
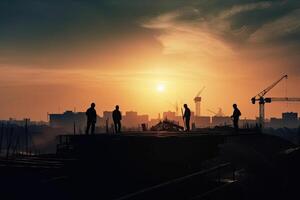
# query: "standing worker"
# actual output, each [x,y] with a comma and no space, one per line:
[235,117]
[117,117]
[187,117]
[91,119]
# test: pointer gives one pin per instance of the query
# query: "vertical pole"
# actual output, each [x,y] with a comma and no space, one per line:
[26,137]
[15,148]
[1,137]
[106,124]
[74,128]
[10,138]
[261,115]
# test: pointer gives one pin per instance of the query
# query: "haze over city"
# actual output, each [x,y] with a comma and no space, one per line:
[146,55]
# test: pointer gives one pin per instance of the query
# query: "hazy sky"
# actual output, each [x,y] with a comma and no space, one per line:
[64,54]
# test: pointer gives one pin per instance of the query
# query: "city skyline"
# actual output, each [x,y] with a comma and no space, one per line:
[170,106]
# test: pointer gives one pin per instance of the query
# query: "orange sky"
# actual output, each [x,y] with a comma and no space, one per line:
[177,48]
[34,92]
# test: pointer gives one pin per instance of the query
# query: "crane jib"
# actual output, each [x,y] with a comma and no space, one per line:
[265,91]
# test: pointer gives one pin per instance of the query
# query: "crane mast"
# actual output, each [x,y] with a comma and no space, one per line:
[197,101]
[261,99]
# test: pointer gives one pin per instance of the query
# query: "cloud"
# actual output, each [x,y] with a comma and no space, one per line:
[278,29]
[187,37]
[232,26]
[245,8]
[46,33]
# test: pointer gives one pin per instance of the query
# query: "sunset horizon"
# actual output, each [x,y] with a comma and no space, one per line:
[149,100]
[61,56]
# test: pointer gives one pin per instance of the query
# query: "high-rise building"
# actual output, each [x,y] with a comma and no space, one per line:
[221,121]
[202,121]
[290,120]
[68,119]
[169,115]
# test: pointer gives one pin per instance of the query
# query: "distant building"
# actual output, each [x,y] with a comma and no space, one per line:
[221,121]
[153,122]
[143,119]
[107,115]
[132,120]
[169,115]
[275,123]
[290,116]
[17,122]
[248,123]
[202,121]
[290,120]
[67,120]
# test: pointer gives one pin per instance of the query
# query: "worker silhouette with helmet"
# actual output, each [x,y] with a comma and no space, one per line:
[187,117]
[236,117]
[117,117]
[91,119]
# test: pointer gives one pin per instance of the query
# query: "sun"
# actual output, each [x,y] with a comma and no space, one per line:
[160,87]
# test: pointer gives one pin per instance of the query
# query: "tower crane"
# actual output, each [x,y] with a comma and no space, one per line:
[175,106]
[218,114]
[211,111]
[260,97]
[197,101]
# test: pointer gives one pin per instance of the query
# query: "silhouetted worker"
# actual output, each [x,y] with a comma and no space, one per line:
[91,119]
[236,116]
[187,117]
[117,117]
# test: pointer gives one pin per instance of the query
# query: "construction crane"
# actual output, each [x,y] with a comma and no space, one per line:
[211,111]
[176,107]
[260,97]
[197,101]
[218,114]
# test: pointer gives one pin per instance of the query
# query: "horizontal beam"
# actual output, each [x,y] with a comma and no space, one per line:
[290,99]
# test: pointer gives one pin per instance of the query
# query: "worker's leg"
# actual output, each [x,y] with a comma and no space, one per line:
[116,126]
[236,125]
[187,121]
[119,127]
[88,124]
[93,129]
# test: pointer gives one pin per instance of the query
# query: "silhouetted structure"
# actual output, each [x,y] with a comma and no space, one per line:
[197,101]
[117,117]
[236,116]
[167,125]
[187,117]
[91,119]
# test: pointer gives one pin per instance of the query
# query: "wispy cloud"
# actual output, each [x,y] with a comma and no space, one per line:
[187,36]
[193,30]
[284,26]
[236,9]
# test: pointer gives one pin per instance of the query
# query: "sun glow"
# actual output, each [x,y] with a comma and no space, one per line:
[160,87]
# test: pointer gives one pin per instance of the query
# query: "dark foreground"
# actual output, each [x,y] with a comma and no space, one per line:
[201,165]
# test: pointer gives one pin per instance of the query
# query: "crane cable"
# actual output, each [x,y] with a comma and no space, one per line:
[286,88]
